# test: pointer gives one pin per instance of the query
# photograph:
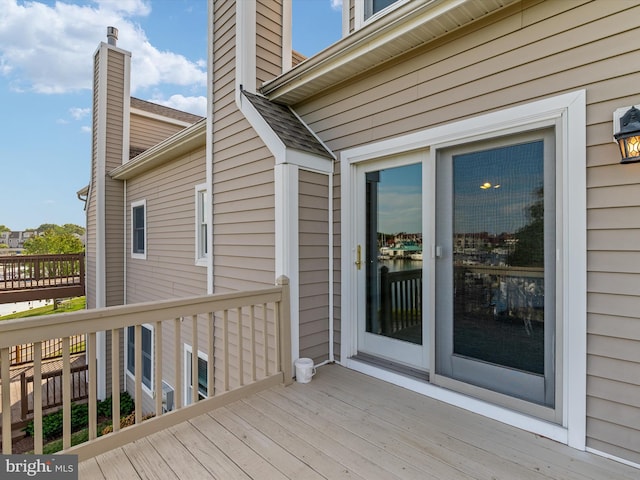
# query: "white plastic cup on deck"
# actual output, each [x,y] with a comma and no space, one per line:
[304,370]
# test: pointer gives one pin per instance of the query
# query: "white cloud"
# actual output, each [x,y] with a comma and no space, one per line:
[336,4]
[49,49]
[195,105]
[85,129]
[79,113]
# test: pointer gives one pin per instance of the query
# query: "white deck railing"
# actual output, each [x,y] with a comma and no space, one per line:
[246,339]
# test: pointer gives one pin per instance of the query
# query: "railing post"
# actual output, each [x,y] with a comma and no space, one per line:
[284,327]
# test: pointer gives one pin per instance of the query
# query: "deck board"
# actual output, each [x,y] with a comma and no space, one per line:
[345,425]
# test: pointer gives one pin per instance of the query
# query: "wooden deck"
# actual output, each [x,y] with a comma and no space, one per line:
[347,425]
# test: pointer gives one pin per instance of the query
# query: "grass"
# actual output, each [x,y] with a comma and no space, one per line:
[71,305]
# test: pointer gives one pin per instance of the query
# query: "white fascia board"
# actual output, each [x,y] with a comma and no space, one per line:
[356,45]
[245,48]
[309,161]
[126,109]
[287,35]
[170,149]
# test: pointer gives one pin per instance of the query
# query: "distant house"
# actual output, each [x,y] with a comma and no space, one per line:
[15,240]
[458,121]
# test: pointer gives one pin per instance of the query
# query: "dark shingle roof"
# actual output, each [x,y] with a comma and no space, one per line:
[164,111]
[293,133]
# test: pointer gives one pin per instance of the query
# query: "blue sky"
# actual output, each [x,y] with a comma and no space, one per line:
[46,52]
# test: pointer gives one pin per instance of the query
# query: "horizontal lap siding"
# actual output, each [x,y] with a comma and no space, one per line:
[313,235]
[243,178]
[114,203]
[145,132]
[92,198]
[169,270]
[268,39]
[522,54]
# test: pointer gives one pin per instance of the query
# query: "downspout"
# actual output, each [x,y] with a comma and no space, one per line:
[124,239]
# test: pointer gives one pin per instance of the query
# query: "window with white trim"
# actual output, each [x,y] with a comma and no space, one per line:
[201,224]
[372,7]
[139,229]
[188,377]
[147,354]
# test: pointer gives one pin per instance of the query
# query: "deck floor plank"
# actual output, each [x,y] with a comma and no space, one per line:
[147,461]
[353,461]
[264,446]
[246,459]
[116,465]
[215,461]
[90,469]
[294,443]
[366,426]
[419,443]
[534,452]
[175,453]
[375,453]
[346,425]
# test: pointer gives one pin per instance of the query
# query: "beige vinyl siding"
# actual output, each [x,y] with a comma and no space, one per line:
[243,181]
[91,208]
[313,234]
[337,284]
[268,39]
[146,132]
[169,270]
[114,200]
[527,52]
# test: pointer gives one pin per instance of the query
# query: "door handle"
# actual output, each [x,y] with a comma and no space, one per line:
[359,257]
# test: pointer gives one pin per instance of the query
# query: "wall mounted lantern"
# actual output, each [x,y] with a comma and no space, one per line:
[628,137]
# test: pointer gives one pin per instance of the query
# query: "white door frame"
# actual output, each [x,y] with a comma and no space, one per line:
[569,112]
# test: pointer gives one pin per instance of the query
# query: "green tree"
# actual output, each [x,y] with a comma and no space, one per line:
[73,228]
[45,227]
[53,241]
[529,251]
[4,228]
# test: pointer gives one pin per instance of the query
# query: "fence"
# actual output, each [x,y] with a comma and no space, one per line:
[400,300]
[21,354]
[52,389]
[246,337]
[39,277]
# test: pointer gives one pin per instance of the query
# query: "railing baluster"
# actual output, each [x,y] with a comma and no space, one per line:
[6,401]
[158,367]
[252,336]
[66,394]
[177,350]
[115,379]
[225,345]
[211,383]
[93,394]
[37,398]
[138,372]
[265,343]
[194,359]
[240,348]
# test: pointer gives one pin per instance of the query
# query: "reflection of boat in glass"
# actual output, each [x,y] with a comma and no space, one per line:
[416,256]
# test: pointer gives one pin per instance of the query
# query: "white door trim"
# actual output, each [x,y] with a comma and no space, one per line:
[569,112]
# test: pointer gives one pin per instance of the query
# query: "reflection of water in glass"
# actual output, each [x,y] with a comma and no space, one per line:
[400,265]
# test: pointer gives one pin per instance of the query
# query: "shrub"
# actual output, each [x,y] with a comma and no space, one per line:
[52,422]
